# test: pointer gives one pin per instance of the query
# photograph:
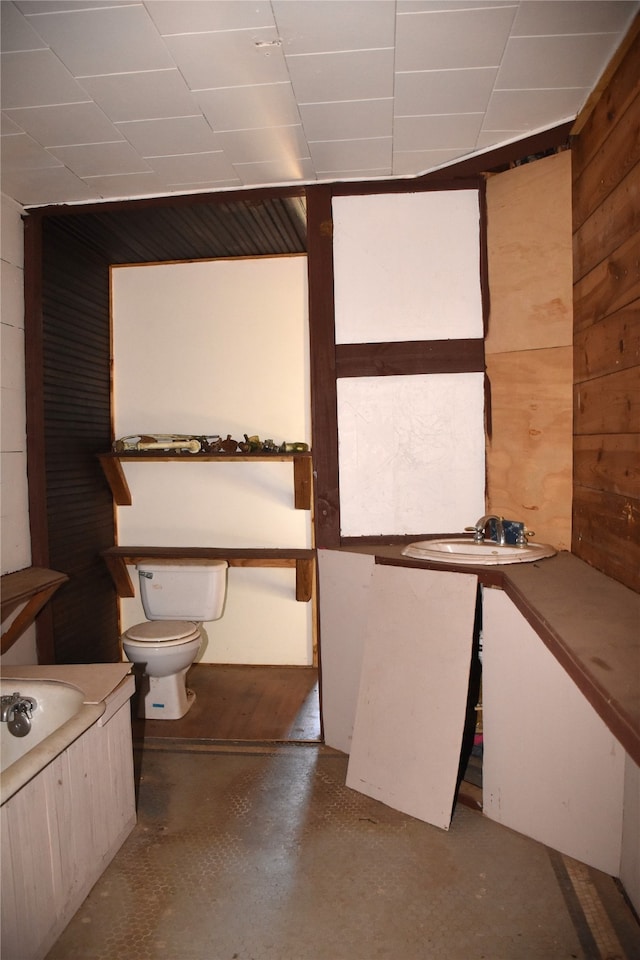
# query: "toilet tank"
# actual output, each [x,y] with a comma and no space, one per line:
[183,591]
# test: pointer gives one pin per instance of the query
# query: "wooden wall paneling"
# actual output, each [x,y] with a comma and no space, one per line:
[610,344]
[606,201]
[612,284]
[529,458]
[609,225]
[608,463]
[606,534]
[609,404]
[76,377]
[529,256]
[324,405]
[529,346]
[609,165]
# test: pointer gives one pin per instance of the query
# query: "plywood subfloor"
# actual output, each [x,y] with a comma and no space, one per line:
[244,703]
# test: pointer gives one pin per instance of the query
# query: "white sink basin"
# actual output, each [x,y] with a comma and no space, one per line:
[462,550]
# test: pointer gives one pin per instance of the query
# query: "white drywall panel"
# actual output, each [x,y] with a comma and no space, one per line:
[413,691]
[411,453]
[407,266]
[344,597]
[551,768]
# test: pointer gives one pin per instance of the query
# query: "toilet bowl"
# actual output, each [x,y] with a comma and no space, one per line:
[161,648]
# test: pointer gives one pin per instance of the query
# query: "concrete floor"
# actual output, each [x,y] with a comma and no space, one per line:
[264,854]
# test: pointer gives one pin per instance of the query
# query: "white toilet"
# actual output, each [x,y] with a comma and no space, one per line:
[176,599]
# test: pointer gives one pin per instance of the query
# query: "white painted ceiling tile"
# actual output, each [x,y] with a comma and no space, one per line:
[362,75]
[249,107]
[453,39]
[94,160]
[255,146]
[443,91]
[141,96]
[541,18]
[547,62]
[31,8]
[53,185]
[37,78]
[201,186]
[353,154]
[285,170]
[496,138]
[105,40]
[315,27]
[210,60]
[9,127]
[347,176]
[194,16]
[525,110]
[16,33]
[60,125]
[417,133]
[23,152]
[191,168]
[158,138]
[440,6]
[269,77]
[415,162]
[127,185]
[347,120]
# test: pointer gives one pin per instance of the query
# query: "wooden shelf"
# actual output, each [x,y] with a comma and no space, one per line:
[33,585]
[112,467]
[118,558]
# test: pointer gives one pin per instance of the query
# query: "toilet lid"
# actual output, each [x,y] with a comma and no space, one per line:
[161,631]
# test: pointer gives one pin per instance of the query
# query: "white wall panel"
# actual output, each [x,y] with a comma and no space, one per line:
[411,453]
[407,267]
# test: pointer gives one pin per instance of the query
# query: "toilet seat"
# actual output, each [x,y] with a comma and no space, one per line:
[165,633]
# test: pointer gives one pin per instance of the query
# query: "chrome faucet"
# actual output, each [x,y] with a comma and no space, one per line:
[479,529]
[16,705]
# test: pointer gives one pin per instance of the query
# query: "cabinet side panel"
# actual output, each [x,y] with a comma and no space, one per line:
[552,770]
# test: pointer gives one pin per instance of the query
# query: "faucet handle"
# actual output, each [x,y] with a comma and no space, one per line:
[477,531]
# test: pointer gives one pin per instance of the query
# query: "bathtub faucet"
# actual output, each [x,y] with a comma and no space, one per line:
[479,528]
[15,703]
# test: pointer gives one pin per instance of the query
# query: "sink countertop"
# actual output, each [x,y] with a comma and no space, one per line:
[589,622]
[96,680]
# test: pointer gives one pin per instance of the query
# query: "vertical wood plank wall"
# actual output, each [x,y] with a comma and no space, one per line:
[528,347]
[69,416]
[606,247]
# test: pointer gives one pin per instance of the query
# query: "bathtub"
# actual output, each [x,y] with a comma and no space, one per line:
[60,717]
[67,797]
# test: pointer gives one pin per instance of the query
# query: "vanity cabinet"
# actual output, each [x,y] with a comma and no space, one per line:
[396,644]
